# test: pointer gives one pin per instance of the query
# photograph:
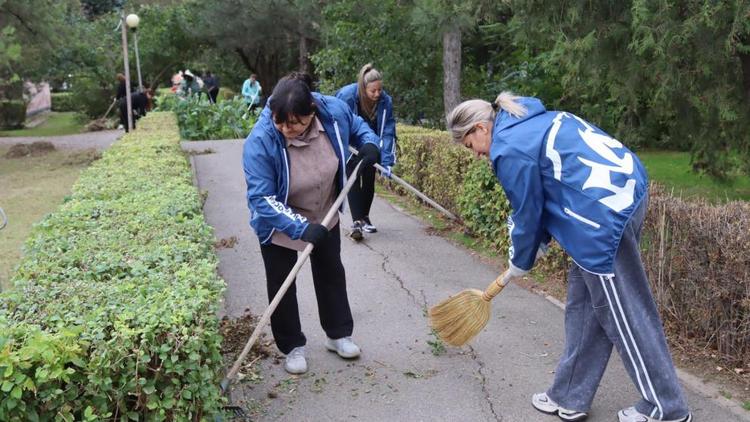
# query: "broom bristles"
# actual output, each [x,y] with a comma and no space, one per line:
[459,318]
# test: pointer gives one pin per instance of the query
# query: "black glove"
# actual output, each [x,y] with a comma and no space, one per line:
[315,234]
[369,154]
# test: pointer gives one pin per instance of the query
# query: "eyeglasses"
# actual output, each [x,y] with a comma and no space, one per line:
[296,121]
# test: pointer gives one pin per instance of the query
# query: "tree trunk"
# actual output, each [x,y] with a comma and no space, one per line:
[745,61]
[245,59]
[451,68]
[304,53]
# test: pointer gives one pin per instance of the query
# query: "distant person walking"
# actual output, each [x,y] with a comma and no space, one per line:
[121,87]
[251,92]
[367,99]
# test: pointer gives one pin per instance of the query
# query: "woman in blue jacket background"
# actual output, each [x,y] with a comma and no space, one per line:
[367,99]
[567,179]
[294,162]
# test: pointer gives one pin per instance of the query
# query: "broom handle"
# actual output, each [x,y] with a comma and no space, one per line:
[288,282]
[411,188]
[496,286]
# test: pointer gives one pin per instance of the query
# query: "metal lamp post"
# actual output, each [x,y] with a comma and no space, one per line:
[132,21]
[127,70]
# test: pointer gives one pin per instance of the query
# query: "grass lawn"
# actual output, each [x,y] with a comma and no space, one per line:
[672,170]
[31,187]
[58,123]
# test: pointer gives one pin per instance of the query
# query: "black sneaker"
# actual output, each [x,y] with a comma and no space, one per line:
[368,227]
[356,232]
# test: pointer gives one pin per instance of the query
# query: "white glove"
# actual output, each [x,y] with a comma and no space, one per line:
[514,271]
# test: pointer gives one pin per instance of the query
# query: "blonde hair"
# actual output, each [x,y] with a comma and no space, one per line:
[461,120]
[368,74]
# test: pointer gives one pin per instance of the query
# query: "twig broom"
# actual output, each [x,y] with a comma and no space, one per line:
[459,318]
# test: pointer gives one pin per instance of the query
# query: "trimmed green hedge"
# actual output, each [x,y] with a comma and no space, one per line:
[63,101]
[447,173]
[113,311]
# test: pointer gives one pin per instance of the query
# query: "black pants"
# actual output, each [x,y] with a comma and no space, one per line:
[212,94]
[330,290]
[362,193]
[123,106]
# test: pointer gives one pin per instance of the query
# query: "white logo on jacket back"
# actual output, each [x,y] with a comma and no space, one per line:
[600,176]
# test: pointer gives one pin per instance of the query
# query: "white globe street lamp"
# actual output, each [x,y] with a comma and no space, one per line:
[132,21]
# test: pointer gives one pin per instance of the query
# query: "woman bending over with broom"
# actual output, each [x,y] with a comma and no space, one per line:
[567,179]
[294,161]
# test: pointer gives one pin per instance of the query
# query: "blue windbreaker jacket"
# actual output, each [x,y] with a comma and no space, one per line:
[566,178]
[266,163]
[386,123]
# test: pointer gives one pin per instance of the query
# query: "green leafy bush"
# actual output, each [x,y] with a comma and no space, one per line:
[91,96]
[449,174]
[12,114]
[199,119]
[63,101]
[483,206]
[226,93]
[113,310]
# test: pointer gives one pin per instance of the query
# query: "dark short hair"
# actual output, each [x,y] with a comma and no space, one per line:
[292,96]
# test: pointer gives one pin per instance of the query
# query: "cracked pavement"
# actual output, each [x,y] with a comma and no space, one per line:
[404,374]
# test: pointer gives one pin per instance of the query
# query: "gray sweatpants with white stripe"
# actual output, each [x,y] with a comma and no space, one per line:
[620,310]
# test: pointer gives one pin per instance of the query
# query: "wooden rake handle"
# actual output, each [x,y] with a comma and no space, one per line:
[288,282]
[411,188]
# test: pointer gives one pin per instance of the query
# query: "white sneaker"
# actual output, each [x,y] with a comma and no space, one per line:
[295,361]
[544,404]
[344,347]
[368,227]
[632,415]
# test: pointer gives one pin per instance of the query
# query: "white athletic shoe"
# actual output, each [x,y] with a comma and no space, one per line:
[295,361]
[368,227]
[544,404]
[632,415]
[344,347]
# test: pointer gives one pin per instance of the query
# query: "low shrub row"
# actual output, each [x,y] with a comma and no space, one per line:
[12,114]
[63,101]
[695,253]
[112,315]
[199,119]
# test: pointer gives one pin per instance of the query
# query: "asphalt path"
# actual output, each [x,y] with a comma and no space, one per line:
[393,277]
